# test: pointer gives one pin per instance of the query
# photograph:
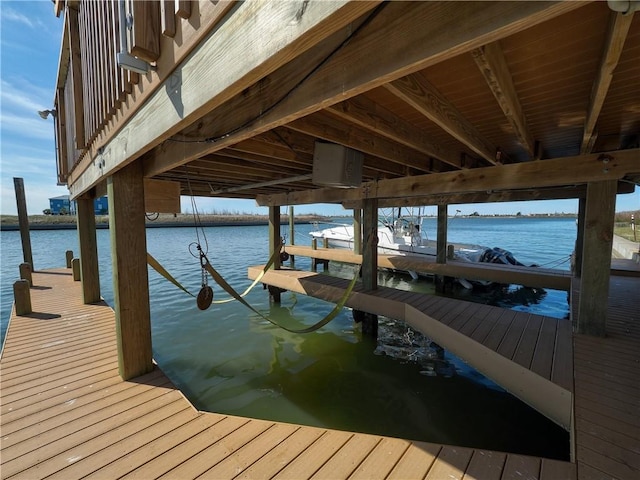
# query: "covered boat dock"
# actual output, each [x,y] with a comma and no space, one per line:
[368,104]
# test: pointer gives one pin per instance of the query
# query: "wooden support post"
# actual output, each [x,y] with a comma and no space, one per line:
[23,221]
[88,251]
[274,241]
[451,252]
[125,191]
[68,257]
[292,260]
[357,231]
[25,273]
[596,260]
[577,260]
[22,297]
[441,245]
[75,270]
[370,261]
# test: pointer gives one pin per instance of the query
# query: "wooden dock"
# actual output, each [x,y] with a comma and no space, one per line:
[528,355]
[603,374]
[530,277]
[65,413]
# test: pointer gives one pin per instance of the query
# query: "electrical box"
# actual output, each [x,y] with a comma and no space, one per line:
[336,166]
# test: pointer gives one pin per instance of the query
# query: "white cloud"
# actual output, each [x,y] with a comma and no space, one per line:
[26,96]
[9,14]
[28,127]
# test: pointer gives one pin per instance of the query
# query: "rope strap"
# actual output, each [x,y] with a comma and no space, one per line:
[153,263]
[334,312]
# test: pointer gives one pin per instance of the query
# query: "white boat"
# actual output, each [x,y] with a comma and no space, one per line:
[405,237]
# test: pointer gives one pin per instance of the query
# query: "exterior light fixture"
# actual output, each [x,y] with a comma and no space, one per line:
[44,114]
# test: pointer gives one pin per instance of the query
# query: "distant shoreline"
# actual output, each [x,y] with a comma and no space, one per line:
[68,222]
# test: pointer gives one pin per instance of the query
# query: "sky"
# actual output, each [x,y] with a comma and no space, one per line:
[30,37]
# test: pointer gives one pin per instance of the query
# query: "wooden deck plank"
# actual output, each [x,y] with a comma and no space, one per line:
[344,462]
[485,466]
[553,469]
[514,334]
[484,328]
[76,432]
[17,410]
[562,368]
[12,391]
[477,319]
[182,453]
[451,463]
[311,460]
[465,316]
[416,461]
[610,435]
[498,330]
[610,393]
[528,344]
[244,457]
[381,460]
[108,447]
[614,468]
[616,390]
[543,355]
[60,413]
[213,454]
[608,421]
[53,371]
[47,360]
[521,468]
[456,310]
[134,459]
[607,396]
[280,456]
[29,395]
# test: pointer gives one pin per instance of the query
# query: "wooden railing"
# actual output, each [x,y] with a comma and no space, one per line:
[95,96]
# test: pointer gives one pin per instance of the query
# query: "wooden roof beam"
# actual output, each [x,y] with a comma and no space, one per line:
[416,91]
[616,35]
[333,129]
[548,173]
[553,193]
[432,32]
[493,66]
[380,121]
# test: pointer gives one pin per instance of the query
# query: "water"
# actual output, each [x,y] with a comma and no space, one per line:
[229,360]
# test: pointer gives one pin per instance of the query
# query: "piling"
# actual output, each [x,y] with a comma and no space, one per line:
[292,261]
[69,257]
[22,297]
[23,220]
[75,269]
[25,273]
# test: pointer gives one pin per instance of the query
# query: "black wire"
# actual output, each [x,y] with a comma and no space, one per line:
[249,122]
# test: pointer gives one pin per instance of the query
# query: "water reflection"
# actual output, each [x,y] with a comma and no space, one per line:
[404,385]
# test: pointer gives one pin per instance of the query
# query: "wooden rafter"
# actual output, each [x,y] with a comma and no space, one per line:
[416,91]
[618,29]
[380,121]
[493,66]
[331,128]
[354,70]
[554,193]
[547,173]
